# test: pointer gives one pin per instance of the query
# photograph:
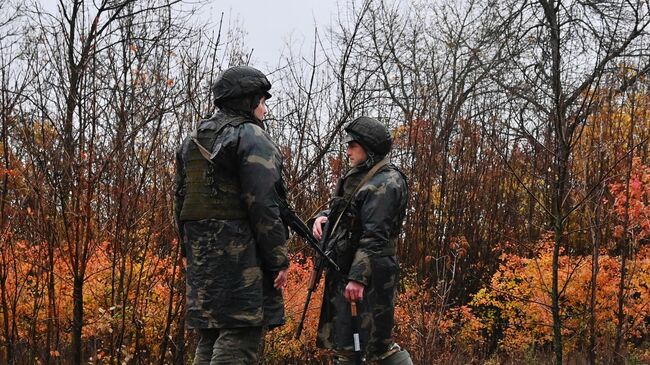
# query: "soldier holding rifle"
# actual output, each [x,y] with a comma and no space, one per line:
[363,224]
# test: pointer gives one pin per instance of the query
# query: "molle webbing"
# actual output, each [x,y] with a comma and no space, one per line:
[211,191]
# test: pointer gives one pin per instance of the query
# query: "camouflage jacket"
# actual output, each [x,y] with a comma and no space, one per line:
[231,263]
[366,256]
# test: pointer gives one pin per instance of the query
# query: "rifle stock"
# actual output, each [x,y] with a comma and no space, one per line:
[314,279]
[323,258]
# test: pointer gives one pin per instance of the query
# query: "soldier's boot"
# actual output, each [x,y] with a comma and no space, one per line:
[401,357]
[343,362]
[344,359]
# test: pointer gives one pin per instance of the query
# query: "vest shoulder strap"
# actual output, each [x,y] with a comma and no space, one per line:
[218,126]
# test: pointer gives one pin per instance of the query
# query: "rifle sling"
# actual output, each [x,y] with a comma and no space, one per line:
[365,179]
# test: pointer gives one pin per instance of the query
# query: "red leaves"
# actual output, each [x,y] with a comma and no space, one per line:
[632,202]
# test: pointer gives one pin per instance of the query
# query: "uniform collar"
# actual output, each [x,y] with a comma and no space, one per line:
[356,170]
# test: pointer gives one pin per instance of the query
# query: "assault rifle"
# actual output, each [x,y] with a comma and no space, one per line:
[297,225]
[290,218]
[314,278]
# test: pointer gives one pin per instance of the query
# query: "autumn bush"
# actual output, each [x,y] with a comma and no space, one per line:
[513,309]
[280,347]
[507,321]
[515,306]
[138,327]
[430,330]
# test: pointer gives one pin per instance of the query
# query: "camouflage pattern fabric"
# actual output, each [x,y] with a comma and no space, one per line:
[231,263]
[379,209]
[228,346]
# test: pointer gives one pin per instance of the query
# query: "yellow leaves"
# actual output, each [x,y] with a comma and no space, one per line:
[422,317]
[416,132]
[520,294]
[400,132]
[435,198]
[44,133]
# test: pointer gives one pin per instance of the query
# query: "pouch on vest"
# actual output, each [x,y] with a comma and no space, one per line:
[212,190]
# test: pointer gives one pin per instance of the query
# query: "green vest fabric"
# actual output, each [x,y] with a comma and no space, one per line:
[212,190]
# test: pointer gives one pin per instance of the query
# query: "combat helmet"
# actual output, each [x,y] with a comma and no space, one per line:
[240,81]
[371,134]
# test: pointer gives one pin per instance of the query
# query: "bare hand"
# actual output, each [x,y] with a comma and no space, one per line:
[280,280]
[317,229]
[354,291]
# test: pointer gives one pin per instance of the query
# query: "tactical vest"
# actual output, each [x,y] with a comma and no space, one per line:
[212,188]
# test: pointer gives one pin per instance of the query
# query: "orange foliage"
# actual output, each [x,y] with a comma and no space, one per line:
[514,308]
[518,300]
[428,329]
[147,297]
[280,347]
[414,133]
[638,208]
[420,324]
[336,166]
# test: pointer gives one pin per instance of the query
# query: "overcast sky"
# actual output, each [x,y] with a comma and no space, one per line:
[269,24]
[272,25]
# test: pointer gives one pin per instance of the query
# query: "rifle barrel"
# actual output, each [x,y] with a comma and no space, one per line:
[304,313]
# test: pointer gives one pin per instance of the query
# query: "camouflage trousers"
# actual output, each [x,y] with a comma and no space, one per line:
[228,346]
[376,310]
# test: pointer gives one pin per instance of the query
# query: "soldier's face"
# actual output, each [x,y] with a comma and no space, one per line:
[261,110]
[356,154]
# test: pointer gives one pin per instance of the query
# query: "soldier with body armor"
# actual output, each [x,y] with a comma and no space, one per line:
[365,219]
[228,191]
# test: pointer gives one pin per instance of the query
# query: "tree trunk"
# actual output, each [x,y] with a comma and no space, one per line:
[77,318]
[624,252]
[9,345]
[596,238]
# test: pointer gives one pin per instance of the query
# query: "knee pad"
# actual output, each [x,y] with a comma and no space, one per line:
[401,357]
